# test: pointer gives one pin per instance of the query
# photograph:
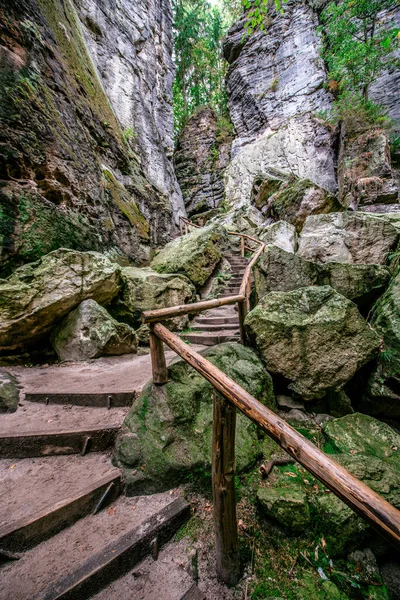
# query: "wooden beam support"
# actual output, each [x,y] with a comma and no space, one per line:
[223,484]
[242,247]
[158,362]
[152,316]
[358,496]
[242,310]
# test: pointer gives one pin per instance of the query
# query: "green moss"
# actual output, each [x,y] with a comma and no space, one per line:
[126,205]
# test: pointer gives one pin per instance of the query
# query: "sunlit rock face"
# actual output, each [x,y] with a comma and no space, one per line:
[276,92]
[131,45]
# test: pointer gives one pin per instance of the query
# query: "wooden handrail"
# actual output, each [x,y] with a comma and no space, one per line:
[362,499]
[161,314]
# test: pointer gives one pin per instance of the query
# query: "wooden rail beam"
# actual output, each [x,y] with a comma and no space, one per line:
[161,314]
[158,362]
[384,517]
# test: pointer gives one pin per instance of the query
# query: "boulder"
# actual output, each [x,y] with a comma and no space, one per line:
[364,171]
[9,392]
[170,426]
[39,294]
[195,255]
[287,506]
[347,237]
[89,332]
[145,289]
[295,201]
[281,234]
[281,271]
[312,336]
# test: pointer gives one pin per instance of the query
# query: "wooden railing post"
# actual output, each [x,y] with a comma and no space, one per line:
[158,362]
[242,310]
[223,483]
[242,246]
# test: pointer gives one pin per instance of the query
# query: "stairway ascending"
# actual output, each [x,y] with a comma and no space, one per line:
[220,324]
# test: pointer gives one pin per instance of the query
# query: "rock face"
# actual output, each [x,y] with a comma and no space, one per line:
[313,336]
[70,175]
[39,294]
[201,157]
[9,392]
[347,237]
[131,44]
[275,86]
[195,254]
[89,332]
[171,425]
[145,289]
[365,172]
[294,202]
[280,234]
[281,271]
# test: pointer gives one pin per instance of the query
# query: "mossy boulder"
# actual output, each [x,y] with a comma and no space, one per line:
[195,254]
[9,392]
[145,289]
[347,237]
[281,271]
[286,505]
[89,332]
[170,426]
[312,336]
[37,295]
[295,201]
[281,234]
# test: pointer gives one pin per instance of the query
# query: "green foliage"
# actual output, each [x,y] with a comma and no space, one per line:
[129,134]
[200,67]
[257,13]
[357,47]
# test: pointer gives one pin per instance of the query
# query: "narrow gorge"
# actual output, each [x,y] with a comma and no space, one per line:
[196,195]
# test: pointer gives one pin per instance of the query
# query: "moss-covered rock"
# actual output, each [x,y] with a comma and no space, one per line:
[9,392]
[295,201]
[281,271]
[171,426]
[281,234]
[89,332]
[286,505]
[195,255]
[39,294]
[347,237]
[313,336]
[145,289]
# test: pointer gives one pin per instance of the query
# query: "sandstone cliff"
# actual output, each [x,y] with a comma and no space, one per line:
[75,152]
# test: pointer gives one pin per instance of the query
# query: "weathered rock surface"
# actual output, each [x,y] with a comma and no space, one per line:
[145,289]
[195,254]
[89,332]
[39,294]
[313,336]
[294,202]
[201,157]
[347,237]
[381,396]
[9,392]
[59,131]
[171,425]
[275,83]
[280,271]
[131,44]
[281,235]
[365,172]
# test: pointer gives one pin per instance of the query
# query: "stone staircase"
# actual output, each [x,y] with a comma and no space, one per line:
[66,529]
[220,324]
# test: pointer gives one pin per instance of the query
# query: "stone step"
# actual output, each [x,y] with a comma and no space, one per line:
[217,327]
[169,577]
[210,339]
[80,561]
[216,320]
[108,400]
[39,430]
[60,490]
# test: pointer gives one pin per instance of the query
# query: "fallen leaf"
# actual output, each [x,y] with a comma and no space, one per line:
[112,510]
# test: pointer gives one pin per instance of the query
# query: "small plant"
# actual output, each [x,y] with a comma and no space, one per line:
[274,85]
[129,134]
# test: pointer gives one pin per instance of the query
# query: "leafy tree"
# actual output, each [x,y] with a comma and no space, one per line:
[200,68]
[357,46]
